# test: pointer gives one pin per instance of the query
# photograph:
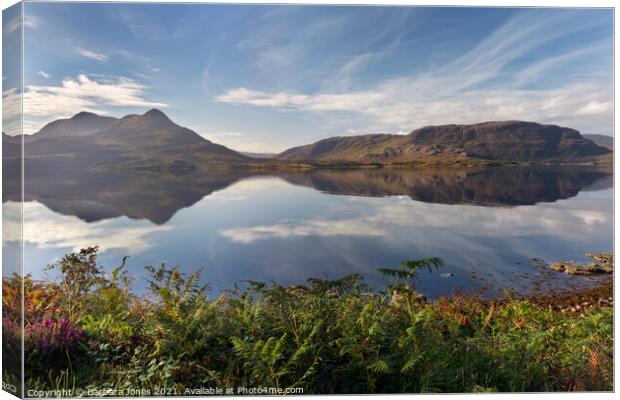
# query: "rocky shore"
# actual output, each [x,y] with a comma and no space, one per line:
[575,299]
[603,264]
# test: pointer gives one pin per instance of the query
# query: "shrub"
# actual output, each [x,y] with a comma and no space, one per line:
[327,336]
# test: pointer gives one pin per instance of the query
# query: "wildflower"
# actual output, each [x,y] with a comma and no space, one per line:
[51,334]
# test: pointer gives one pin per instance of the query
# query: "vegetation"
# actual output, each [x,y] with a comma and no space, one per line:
[88,330]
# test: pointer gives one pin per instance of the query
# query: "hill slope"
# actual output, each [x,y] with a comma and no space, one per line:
[514,141]
[80,124]
[601,140]
[150,140]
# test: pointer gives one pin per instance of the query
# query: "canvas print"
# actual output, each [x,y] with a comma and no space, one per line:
[248,199]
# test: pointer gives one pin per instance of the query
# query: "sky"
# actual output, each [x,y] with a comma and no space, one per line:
[265,78]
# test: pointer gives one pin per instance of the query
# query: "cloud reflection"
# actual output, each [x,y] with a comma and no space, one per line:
[405,217]
[47,229]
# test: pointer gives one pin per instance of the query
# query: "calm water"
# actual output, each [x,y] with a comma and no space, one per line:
[290,227]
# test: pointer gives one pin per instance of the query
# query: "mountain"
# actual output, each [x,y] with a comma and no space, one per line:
[153,142]
[601,140]
[80,124]
[11,149]
[147,141]
[512,141]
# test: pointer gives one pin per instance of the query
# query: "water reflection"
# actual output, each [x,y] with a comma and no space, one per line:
[292,226]
[93,196]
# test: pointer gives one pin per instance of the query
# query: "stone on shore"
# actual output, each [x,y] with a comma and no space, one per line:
[603,265]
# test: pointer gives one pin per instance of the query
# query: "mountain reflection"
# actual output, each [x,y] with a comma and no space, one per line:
[507,186]
[93,196]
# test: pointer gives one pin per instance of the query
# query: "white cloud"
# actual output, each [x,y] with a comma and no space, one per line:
[350,227]
[323,102]
[44,74]
[45,103]
[93,55]
[12,112]
[595,107]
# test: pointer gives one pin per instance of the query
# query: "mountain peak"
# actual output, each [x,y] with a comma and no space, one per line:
[84,115]
[154,112]
[81,123]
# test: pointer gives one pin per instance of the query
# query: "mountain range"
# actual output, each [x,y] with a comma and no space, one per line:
[151,141]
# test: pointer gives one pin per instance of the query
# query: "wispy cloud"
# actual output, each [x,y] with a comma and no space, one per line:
[322,102]
[44,74]
[12,25]
[104,56]
[270,50]
[143,25]
[493,80]
[93,55]
[29,20]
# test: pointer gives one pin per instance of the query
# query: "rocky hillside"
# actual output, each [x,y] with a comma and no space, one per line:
[513,141]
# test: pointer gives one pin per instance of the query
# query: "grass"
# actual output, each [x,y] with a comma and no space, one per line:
[89,331]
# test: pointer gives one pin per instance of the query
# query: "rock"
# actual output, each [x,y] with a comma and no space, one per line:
[604,265]
[570,267]
[606,260]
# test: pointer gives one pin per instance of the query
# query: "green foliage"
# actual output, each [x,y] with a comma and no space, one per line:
[408,272]
[79,274]
[327,336]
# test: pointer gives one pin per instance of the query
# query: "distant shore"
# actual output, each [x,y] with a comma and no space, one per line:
[155,165]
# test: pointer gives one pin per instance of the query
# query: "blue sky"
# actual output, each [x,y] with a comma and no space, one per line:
[265,78]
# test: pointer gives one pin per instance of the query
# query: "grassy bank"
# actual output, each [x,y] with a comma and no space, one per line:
[88,330]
